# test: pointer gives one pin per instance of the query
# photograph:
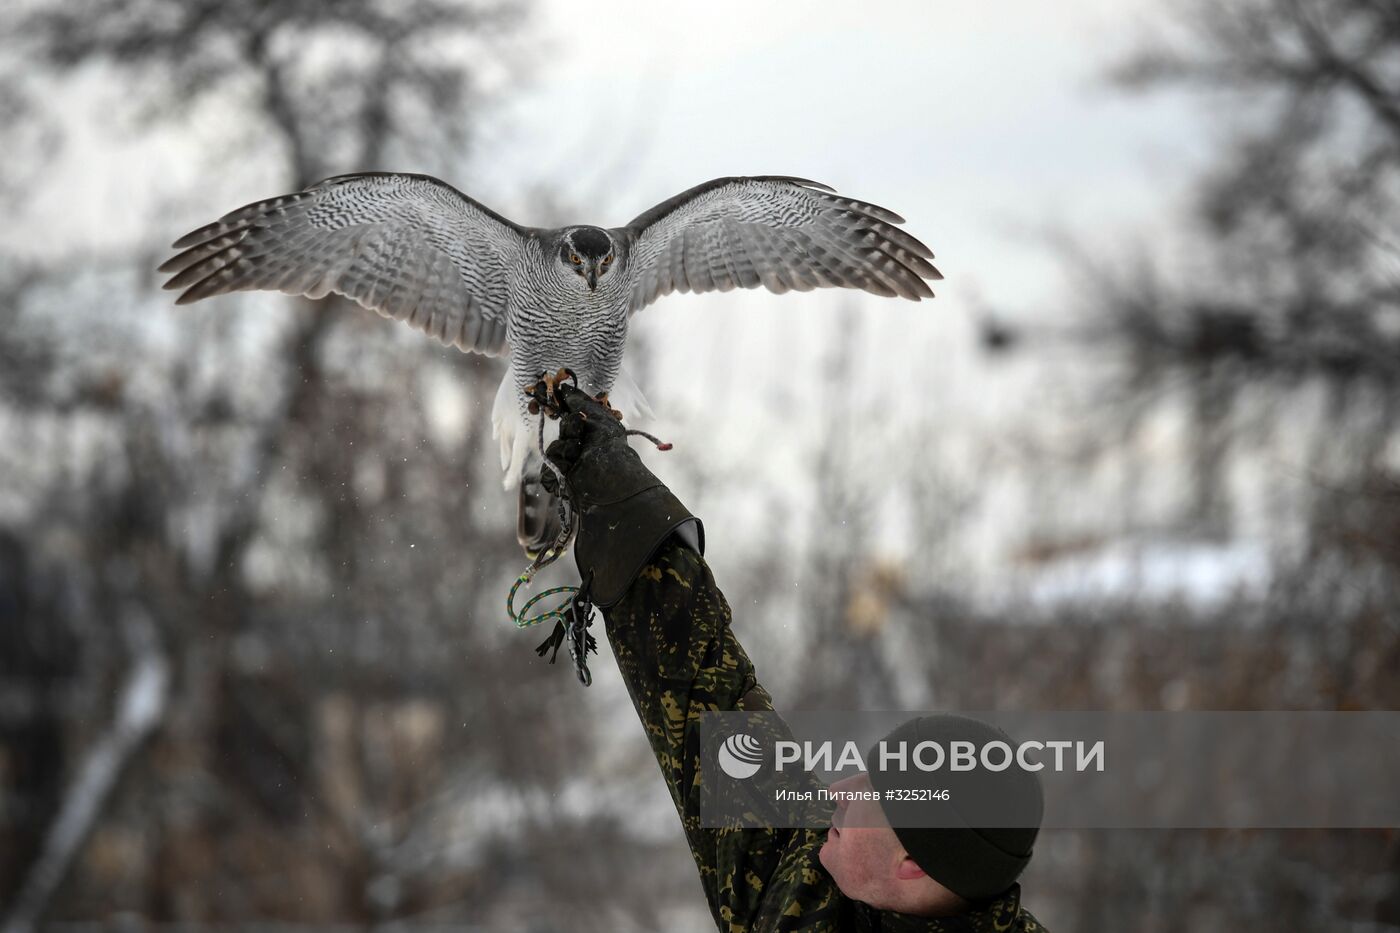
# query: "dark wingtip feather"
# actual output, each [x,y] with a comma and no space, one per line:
[793,179]
[878,287]
[920,288]
[869,210]
[196,237]
[921,266]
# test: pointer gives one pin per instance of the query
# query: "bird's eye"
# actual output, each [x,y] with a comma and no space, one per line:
[607,259]
[573,258]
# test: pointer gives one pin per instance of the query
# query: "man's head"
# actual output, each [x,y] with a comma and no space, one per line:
[885,853]
[868,862]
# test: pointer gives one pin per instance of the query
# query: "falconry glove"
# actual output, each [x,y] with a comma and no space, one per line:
[624,512]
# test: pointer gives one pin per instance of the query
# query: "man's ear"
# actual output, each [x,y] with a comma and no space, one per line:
[908,870]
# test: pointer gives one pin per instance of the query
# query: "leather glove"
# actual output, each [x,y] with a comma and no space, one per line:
[624,512]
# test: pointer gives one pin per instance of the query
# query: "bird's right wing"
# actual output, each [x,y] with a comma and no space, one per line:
[410,247]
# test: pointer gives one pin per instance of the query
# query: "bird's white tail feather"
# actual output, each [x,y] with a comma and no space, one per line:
[510,429]
[627,398]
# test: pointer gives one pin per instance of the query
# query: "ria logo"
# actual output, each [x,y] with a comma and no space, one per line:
[740,756]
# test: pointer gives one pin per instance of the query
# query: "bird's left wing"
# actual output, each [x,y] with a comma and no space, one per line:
[410,247]
[773,231]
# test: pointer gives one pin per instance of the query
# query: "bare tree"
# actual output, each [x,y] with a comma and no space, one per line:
[1300,214]
[1292,293]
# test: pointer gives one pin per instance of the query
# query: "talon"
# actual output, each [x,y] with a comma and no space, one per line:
[541,398]
[602,399]
[555,382]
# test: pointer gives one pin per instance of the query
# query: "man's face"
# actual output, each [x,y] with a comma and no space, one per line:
[861,851]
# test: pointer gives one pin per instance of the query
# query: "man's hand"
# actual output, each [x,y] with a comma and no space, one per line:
[624,512]
[587,426]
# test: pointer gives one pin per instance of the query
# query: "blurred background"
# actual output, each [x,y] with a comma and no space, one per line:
[1141,453]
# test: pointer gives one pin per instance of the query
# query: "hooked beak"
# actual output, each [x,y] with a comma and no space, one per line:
[592,279]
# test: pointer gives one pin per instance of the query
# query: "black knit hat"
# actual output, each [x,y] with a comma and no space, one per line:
[973,863]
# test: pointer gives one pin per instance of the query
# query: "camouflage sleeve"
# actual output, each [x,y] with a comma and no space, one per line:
[679,658]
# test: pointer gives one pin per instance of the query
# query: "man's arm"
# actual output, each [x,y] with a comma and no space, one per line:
[639,550]
[679,658]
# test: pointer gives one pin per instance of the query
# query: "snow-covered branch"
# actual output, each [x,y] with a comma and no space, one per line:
[140,708]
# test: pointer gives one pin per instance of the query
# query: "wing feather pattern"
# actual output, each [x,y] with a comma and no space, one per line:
[780,232]
[410,247]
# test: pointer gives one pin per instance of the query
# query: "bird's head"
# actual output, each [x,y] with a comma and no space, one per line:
[589,252]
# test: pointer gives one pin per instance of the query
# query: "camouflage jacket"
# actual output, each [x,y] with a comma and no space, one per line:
[673,643]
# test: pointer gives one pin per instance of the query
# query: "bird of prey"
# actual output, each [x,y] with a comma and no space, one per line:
[413,248]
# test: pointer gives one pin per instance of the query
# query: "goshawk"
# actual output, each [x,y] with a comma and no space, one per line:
[414,248]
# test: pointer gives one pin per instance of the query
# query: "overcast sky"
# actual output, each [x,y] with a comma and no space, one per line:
[984,124]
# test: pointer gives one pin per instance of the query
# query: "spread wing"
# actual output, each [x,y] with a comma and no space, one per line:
[779,232]
[410,247]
